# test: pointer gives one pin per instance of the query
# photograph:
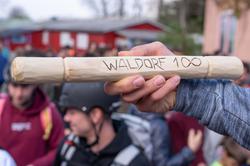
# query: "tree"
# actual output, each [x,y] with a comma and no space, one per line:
[18,13]
[182,20]
[115,8]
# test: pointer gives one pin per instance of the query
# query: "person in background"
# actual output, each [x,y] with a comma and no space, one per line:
[92,50]
[4,51]
[161,141]
[31,127]
[96,139]
[231,154]
[180,127]
[4,55]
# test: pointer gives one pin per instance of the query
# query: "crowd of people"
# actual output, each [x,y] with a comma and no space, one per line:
[79,124]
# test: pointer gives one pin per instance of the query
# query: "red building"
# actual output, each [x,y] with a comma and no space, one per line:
[78,34]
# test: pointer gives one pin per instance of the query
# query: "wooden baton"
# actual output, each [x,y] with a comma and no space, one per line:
[74,69]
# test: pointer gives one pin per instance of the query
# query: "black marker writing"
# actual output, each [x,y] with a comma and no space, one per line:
[186,62]
[135,64]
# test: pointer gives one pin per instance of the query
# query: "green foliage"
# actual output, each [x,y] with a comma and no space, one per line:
[178,41]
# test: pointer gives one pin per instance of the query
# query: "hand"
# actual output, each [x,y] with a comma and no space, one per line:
[201,164]
[153,95]
[194,140]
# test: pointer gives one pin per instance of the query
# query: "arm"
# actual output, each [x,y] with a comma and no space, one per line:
[225,108]
[56,137]
[160,139]
[220,105]
[162,151]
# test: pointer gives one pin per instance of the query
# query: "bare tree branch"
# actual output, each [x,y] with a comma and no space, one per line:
[121,11]
[138,8]
[18,13]
[93,5]
[104,4]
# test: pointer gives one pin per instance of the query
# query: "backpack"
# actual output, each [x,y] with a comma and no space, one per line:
[45,117]
[139,131]
[123,158]
[6,159]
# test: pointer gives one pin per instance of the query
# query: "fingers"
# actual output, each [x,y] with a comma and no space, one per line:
[154,89]
[158,95]
[126,85]
[162,106]
[151,49]
[150,86]
[195,135]
[170,85]
[147,95]
[199,135]
[191,133]
[194,139]
[201,164]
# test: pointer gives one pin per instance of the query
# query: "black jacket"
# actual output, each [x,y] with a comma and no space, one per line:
[82,156]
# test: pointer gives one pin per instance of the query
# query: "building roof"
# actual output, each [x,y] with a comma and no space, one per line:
[86,25]
[97,25]
[16,26]
[140,34]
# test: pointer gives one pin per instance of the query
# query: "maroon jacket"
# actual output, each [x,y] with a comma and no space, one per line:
[21,133]
[179,125]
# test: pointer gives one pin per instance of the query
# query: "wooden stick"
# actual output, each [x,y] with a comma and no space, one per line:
[44,70]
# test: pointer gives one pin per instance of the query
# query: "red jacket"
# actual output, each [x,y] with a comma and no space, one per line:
[21,132]
[179,125]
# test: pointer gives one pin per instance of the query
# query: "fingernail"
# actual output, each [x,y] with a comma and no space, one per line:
[176,79]
[159,81]
[139,82]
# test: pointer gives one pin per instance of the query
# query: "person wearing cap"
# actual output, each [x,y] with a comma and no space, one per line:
[95,138]
[31,127]
[219,104]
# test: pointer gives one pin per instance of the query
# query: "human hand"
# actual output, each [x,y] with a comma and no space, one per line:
[194,140]
[154,95]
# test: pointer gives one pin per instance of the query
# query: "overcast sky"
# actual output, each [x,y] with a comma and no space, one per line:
[44,9]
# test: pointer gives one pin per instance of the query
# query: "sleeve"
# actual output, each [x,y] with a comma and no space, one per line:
[183,158]
[219,104]
[55,139]
[162,151]
[161,142]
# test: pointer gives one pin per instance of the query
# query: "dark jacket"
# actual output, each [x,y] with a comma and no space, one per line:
[3,64]
[83,156]
[161,140]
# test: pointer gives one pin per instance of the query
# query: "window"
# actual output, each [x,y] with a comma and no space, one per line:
[82,41]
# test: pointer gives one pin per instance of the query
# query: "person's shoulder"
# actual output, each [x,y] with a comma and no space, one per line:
[54,112]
